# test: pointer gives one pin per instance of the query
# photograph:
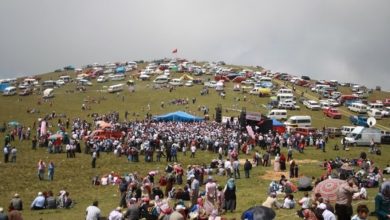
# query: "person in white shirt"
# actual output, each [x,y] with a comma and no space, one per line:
[228,168]
[305,201]
[289,202]
[193,150]
[326,214]
[116,214]
[93,212]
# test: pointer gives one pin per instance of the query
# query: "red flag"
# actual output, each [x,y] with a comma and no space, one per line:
[174,51]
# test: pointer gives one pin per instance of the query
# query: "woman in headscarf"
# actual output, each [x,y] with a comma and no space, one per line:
[230,195]
[277,163]
[382,202]
[282,162]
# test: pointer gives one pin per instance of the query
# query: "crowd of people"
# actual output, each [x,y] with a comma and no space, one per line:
[169,141]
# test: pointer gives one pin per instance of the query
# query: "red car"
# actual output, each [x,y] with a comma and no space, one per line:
[386,102]
[332,113]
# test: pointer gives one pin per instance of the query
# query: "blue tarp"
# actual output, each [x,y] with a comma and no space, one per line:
[177,116]
[120,69]
[276,123]
[3,86]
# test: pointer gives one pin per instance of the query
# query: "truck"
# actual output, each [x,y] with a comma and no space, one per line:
[332,113]
[362,136]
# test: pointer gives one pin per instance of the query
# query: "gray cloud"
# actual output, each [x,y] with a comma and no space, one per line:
[344,40]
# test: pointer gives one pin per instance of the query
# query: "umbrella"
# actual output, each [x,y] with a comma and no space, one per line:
[258,213]
[55,136]
[13,123]
[328,188]
[304,183]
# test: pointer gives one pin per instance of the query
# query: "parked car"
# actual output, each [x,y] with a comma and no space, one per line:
[25,92]
[101,79]
[290,106]
[358,120]
[333,132]
[312,105]
[332,113]
[189,83]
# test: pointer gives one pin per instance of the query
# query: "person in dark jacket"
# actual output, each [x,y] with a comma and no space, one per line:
[247,168]
[230,195]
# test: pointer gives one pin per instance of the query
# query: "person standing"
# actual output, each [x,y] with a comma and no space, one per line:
[6,153]
[50,171]
[247,168]
[194,189]
[344,200]
[193,150]
[133,212]
[236,168]
[93,212]
[34,143]
[277,163]
[41,169]
[13,155]
[94,155]
[230,195]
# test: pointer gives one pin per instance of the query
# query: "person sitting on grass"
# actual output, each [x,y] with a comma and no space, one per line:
[39,202]
[362,213]
[289,202]
[272,201]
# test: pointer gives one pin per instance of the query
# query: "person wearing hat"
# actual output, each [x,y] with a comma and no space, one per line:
[16,202]
[3,216]
[326,214]
[39,202]
[116,214]
[179,213]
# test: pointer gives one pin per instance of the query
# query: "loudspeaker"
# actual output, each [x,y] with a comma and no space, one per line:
[218,114]
[243,118]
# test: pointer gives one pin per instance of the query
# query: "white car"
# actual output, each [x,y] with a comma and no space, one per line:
[333,102]
[176,82]
[60,82]
[101,79]
[189,83]
[312,105]
[325,105]
[290,106]
[84,82]
[211,84]
[144,77]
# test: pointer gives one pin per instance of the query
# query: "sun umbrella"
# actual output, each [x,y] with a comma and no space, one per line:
[258,213]
[13,123]
[328,188]
[55,136]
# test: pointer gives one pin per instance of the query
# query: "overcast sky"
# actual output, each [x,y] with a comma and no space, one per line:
[347,40]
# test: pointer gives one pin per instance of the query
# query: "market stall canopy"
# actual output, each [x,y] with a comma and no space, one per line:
[178,116]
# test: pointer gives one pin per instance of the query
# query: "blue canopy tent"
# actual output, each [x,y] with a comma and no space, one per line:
[178,116]
[120,69]
[278,126]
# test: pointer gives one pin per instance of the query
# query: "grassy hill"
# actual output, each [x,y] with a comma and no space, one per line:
[75,174]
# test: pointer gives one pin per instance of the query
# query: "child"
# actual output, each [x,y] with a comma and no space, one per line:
[362,213]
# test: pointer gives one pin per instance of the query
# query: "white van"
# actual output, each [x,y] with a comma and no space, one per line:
[278,114]
[48,93]
[345,130]
[377,114]
[285,91]
[49,84]
[66,79]
[299,121]
[358,108]
[115,88]
[161,79]
[117,77]
[11,90]
[375,105]
[281,97]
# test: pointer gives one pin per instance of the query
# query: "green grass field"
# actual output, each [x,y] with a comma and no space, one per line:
[75,175]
